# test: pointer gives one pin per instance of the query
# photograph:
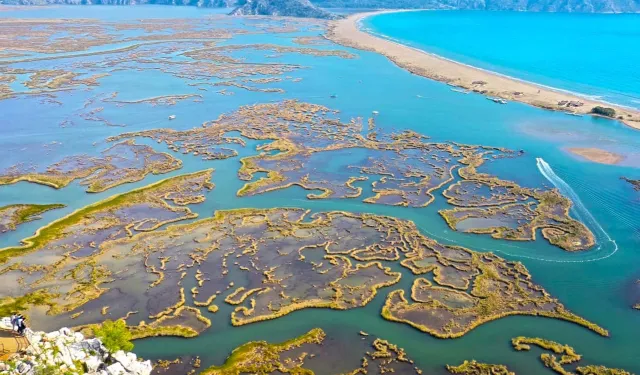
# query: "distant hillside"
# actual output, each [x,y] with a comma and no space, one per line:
[305,7]
[588,6]
[199,3]
[289,8]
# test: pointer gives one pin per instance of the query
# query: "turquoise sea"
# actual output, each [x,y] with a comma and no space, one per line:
[592,54]
[599,284]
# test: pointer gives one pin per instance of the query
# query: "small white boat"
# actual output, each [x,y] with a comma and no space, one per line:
[497,100]
[460,91]
[172,117]
[375,112]
[574,114]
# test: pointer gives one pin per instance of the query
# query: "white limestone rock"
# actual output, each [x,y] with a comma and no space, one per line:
[141,368]
[77,353]
[78,337]
[52,336]
[93,363]
[65,353]
[65,331]
[116,369]
[63,349]
[22,367]
[36,338]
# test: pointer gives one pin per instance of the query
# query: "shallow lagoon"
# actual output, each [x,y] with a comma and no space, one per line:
[601,291]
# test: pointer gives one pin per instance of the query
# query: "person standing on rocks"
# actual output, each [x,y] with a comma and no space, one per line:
[21,325]
[14,322]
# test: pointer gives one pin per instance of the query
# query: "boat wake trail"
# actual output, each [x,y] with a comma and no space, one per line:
[605,244]
[581,212]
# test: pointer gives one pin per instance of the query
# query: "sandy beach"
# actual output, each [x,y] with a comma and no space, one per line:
[346,32]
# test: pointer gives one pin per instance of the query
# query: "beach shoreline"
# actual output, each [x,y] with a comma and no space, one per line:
[347,32]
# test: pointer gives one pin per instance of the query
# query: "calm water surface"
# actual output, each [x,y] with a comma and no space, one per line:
[592,54]
[598,284]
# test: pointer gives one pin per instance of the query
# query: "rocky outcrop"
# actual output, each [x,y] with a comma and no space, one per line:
[287,8]
[68,352]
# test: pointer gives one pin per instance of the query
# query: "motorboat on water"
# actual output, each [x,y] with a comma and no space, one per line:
[460,91]
[497,100]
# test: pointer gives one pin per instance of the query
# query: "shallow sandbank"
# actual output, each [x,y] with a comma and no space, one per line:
[596,155]
[346,32]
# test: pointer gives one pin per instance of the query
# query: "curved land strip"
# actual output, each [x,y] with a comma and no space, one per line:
[506,210]
[346,32]
[164,100]
[496,289]
[477,368]
[266,262]
[308,354]
[62,266]
[567,355]
[597,155]
[13,215]
[404,168]
[184,322]
[634,183]
[121,163]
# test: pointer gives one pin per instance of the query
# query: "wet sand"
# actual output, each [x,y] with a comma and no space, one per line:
[346,32]
[597,155]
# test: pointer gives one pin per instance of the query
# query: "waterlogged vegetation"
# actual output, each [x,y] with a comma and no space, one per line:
[270,263]
[604,111]
[404,169]
[158,260]
[507,211]
[115,217]
[307,354]
[634,183]
[568,362]
[118,258]
[69,275]
[477,368]
[121,163]
[567,354]
[114,335]
[13,215]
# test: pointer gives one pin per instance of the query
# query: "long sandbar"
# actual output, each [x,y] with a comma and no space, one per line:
[346,32]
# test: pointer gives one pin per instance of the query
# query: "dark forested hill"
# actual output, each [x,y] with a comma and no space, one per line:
[589,6]
[291,8]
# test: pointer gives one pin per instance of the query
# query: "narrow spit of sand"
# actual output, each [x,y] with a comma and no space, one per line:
[347,33]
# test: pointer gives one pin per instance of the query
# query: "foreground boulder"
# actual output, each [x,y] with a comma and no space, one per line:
[68,352]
